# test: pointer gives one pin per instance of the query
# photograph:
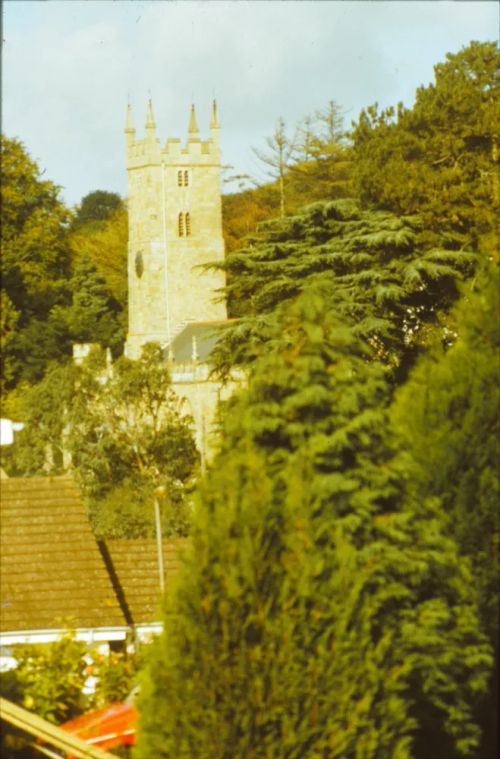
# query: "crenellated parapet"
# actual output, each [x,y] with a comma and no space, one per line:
[173,152]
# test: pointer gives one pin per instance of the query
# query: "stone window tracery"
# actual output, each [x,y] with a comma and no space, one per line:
[184,224]
[183,178]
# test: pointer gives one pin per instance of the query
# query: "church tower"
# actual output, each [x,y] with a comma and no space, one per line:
[175,227]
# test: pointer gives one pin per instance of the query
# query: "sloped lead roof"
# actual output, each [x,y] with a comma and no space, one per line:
[52,574]
[201,335]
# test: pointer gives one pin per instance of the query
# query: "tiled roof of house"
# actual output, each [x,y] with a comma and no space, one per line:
[52,573]
[134,564]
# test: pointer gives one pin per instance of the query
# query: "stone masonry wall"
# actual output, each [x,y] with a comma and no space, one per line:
[166,284]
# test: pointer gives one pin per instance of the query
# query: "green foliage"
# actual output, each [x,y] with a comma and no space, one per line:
[313,165]
[322,169]
[51,678]
[105,245]
[447,419]
[9,317]
[120,429]
[10,685]
[94,315]
[379,275]
[33,221]
[439,158]
[40,445]
[320,610]
[447,416]
[52,295]
[319,135]
[116,675]
[126,510]
[96,207]
[278,157]
[35,265]
[242,211]
[125,421]
[44,340]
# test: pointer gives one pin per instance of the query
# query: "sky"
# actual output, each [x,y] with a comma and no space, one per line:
[70,67]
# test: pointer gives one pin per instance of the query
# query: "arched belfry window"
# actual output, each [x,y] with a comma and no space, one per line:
[184,224]
[183,178]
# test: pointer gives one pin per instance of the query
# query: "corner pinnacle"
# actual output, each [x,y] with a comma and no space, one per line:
[129,124]
[214,122]
[150,119]
[193,126]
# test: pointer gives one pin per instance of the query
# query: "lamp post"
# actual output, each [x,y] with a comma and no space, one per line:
[159,493]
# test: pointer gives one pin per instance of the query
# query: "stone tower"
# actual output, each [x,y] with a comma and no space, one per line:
[175,226]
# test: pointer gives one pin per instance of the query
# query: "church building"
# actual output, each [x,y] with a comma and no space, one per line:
[175,229]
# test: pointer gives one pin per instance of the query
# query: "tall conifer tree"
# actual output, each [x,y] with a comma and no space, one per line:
[439,158]
[447,419]
[320,610]
[380,277]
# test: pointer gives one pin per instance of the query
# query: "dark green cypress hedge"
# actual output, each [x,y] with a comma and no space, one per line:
[320,611]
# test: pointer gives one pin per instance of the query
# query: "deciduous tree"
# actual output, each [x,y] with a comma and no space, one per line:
[94,316]
[35,262]
[277,157]
[120,429]
[322,169]
[105,245]
[96,207]
[125,421]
